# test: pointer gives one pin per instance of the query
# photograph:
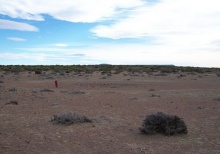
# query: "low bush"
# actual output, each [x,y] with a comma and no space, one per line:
[12,89]
[46,90]
[163,123]
[217,99]
[69,117]
[12,102]
[38,72]
[76,92]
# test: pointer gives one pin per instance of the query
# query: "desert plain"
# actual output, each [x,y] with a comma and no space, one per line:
[117,103]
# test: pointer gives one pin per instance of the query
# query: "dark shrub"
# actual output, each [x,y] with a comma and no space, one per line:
[160,74]
[12,89]
[12,102]
[76,92]
[69,117]
[217,99]
[163,123]
[46,90]
[153,95]
[38,72]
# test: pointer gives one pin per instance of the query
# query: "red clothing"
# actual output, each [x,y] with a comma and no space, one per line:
[56,83]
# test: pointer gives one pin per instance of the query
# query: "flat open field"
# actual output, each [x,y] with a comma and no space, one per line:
[117,103]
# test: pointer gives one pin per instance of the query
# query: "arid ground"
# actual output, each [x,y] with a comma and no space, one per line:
[117,103]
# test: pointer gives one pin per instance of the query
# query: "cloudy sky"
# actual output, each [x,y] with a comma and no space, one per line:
[178,32]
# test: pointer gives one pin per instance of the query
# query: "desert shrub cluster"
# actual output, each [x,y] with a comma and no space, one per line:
[163,123]
[154,123]
[69,117]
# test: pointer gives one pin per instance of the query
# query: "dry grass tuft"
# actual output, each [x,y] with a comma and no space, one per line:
[69,117]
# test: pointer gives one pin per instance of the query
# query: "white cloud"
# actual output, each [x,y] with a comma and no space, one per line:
[16,39]
[74,11]
[166,18]
[61,45]
[186,30]
[23,56]
[12,25]
[151,54]
[115,53]
[40,58]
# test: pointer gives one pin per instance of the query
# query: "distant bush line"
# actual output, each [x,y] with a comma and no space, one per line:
[107,68]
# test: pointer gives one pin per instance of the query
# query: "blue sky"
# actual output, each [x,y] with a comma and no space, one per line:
[49,32]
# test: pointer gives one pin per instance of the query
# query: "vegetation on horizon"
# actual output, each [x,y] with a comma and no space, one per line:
[107,68]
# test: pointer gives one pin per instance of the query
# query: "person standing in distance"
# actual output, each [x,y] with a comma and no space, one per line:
[56,83]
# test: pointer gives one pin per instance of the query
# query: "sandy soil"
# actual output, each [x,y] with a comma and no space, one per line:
[118,103]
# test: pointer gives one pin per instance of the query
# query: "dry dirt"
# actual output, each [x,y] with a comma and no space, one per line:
[118,103]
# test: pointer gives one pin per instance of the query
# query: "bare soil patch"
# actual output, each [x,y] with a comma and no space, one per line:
[117,105]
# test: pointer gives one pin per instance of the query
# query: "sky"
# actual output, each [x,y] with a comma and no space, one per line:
[119,32]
